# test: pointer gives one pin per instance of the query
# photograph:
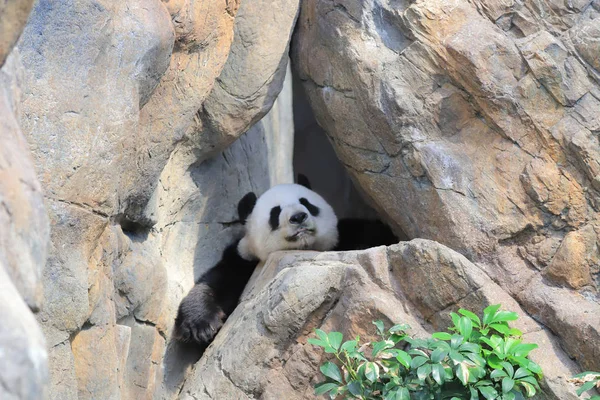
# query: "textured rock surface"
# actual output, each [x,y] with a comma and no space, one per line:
[474,124]
[279,311]
[13,15]
[112,98]
[24,232]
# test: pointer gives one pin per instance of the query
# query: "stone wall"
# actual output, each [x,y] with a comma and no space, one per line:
[470,124]
[474,124]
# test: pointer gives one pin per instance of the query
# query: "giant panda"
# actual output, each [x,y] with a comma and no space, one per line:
[285,217]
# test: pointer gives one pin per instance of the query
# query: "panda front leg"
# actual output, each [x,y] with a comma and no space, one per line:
[199,317]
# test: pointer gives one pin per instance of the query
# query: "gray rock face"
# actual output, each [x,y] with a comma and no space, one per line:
[111,105]
[472,124]
[13,14]
[347,291]
[24,232]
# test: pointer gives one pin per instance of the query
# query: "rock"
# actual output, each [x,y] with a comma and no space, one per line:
[24,361]
[560,73]
[110,107]
[252,76]
[24,231]
[571,263]
[73,81]
[348,291]
[472,124]
[13,14]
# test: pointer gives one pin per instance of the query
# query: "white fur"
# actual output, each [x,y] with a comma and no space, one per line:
[260,240]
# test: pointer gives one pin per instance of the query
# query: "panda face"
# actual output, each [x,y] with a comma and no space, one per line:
[288,217]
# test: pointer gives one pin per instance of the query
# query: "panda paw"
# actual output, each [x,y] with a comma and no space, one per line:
[199,317]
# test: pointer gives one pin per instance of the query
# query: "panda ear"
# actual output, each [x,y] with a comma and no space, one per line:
[246,205]
[303,180]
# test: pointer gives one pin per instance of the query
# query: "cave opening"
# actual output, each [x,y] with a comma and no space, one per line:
[315,157]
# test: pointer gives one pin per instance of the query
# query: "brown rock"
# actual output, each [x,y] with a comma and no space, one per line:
[13,15]
[440,109]
[571,263]
[348,291]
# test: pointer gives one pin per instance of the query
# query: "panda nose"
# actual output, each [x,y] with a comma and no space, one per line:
[298,218]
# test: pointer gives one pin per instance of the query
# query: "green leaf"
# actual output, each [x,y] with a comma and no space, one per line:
[418,361]
[468,346]
[335,339]
[488,392]
[400,393]
[489,312]
[438,355]
[455,318]
[355,388]
[585,387]
[530,379]
[316,342]
[456,341]
[508,368]
[404,394]
[403,358]
[321,334]
[586,373]
[331,371]
[462,373]
[465,327]
[521,372]
[510,344]
[372,371]
[324,388]
[378,346]
[399,328]
[507,385]
[515,332]
[504,316]
[503,329]
[442,335]
[357,356]
[349,346]
[497,373]
[423,371]
[438,373]
[380,326]
[494,362]
[474,395]
[471,316]
[529,389]
[455,356]
[523,349]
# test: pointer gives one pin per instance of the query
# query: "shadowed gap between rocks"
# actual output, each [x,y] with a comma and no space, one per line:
[315,157]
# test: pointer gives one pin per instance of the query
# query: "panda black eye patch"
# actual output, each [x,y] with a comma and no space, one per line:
[274,218]
[312,209]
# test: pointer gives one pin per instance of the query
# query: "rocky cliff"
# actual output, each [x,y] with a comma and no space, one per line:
[129,130]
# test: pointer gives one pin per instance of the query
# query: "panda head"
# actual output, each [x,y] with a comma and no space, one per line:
[286,217]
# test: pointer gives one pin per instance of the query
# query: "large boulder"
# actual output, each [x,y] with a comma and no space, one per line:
[473,124]
[417,282]
[24,231]
[113,105]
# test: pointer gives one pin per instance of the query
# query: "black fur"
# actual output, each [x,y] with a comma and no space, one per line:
[312,209]
[246,205]
[359,234]
[216,294]
[303,180]
[274,217]
[214,297]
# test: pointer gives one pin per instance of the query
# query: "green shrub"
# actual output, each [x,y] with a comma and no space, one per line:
[587,380]
[476,359]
